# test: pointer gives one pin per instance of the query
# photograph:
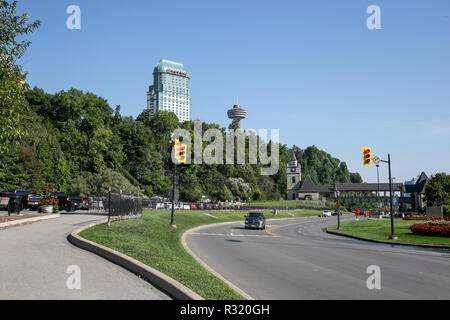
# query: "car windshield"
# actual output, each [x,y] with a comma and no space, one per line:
[255,214]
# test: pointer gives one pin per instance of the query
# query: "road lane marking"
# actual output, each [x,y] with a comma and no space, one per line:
[231,235]
[269,231]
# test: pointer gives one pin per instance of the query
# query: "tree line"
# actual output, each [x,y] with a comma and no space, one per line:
[77,142]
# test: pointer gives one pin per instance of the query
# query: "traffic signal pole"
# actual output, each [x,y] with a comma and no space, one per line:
[393,237]
[173,193]
[367,161]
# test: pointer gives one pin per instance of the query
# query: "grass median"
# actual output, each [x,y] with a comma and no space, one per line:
[381,230]
[154,242]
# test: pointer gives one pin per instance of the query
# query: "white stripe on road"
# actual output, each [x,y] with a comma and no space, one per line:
[232,235]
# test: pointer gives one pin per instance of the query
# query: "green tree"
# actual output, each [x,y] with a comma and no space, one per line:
[13,30]
[437,191]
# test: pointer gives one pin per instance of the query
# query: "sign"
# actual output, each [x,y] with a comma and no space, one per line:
[376,160]
[176,195]
[337,205]
[177,73]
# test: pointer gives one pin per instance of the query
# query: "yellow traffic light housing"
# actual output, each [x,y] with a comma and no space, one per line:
[367,156]
[182,153]
[179,152]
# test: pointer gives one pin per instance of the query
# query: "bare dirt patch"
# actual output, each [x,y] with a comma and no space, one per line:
[13,217]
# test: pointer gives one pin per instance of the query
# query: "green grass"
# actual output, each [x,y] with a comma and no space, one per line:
[154,242]
[284,204]
[381,230]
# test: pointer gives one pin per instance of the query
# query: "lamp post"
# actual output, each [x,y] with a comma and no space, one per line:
[378,187]
[392,236]
[338,211]
[336,193]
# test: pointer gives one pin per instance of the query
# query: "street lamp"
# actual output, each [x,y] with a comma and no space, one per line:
[378,192]
[392,236]
[336,192]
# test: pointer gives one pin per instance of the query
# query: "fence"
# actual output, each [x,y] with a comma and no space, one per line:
[217,206]
[117,204]
[121,204]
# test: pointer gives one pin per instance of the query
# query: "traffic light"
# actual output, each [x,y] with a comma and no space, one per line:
[182,153]
[179,152]
[367,156]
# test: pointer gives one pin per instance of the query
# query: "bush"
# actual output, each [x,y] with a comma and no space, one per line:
[446,210]
[427,229]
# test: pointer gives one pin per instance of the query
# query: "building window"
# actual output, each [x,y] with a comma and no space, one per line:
[293,179]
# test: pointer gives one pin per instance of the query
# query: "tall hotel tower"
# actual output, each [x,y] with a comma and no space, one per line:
[170,90]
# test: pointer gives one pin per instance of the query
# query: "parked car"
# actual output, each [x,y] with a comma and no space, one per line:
[23,194]
[336,212]
[84,204]
[255,220]
[69,203]
[326,213]
[4,200]
[33,201]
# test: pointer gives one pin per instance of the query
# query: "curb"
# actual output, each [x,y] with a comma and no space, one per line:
[429,246]
[215,273]
[170,286]
[27,221]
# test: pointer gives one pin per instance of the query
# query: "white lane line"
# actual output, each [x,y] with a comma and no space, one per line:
[232,235]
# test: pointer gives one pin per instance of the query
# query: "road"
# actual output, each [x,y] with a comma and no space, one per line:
[35,258]
[295,259]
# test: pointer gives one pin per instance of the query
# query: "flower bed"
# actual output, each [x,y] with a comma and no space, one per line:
[414,218]
[440,228]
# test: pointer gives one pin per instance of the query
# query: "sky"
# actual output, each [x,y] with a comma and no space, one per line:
[311,69]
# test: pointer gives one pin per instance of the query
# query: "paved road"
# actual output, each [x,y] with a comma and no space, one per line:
[300,261]
[34,259]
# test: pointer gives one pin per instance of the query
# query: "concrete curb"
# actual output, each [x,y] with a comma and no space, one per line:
[27,221]
[429,246]
[211,270]
[207,267]
[155,277]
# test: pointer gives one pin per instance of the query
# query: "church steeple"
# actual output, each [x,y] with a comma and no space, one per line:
[293,160]
[294,177]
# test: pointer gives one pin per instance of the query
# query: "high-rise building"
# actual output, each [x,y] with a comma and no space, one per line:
[170,90]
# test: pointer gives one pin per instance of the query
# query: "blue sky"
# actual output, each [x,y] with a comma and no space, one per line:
[309,68]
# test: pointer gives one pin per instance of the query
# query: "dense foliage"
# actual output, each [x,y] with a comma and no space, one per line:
[78,143]
[13,28]
[437,192]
